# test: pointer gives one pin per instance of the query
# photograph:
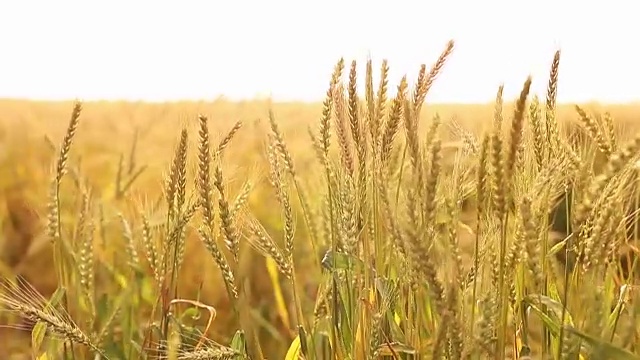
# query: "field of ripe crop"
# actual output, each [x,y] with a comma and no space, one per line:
[363,228]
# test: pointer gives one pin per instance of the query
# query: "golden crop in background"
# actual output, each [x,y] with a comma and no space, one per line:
[431,217]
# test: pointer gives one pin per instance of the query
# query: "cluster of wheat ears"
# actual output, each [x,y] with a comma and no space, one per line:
[389,212]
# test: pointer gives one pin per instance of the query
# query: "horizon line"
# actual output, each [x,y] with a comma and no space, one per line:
[283,101]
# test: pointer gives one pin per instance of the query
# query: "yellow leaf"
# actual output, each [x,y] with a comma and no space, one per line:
[359,335]
[272,268]
[294,350]
[37,335]
[396,318]
[365,316]
[518,342]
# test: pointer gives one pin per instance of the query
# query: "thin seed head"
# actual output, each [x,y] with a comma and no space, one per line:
[392,124]
[177,182]
[342,132]
[221,261]
[378,105]
[228,227]
[61,168]
[550,113]
[281,145]
[227,139]
[204,172]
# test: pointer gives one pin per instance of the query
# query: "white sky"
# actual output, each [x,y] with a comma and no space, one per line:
[155,50]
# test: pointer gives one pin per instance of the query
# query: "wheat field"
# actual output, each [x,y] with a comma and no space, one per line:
[356,228]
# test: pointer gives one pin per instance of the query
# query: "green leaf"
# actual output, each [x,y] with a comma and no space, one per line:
[302,338]
[394,348]
[552,317]
[602,349]
[56,298]
[556,307]
[107,316]
[340,261]
[551,324]
[617,311]
[37,336]
[239,342]
[346,322]
[192,313]
[147,290]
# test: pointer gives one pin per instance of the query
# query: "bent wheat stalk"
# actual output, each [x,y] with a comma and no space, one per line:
[22,299]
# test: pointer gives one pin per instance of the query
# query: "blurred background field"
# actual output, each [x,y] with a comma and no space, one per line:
[141,137]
